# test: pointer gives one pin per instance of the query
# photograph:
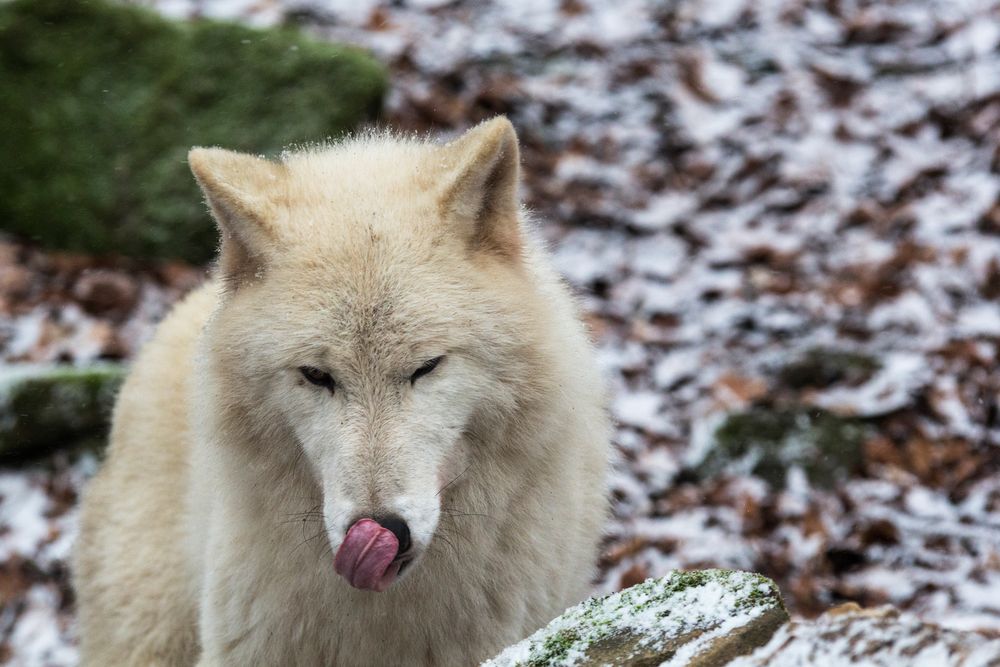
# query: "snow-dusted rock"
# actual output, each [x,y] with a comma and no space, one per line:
[850,635]
[711,618]
[701,618]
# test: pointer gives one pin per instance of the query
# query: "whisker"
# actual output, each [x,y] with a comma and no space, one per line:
[454,479]
[302,520]
[308,539]
[454,512]
[441,534]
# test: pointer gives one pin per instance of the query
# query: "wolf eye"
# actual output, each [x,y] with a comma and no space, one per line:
[317,377]
[425,369]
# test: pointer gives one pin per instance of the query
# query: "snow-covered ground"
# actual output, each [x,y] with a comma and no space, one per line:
[728,184]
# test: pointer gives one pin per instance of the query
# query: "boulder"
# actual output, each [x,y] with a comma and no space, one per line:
[822,367]
[702,619]
[47,406]
[101,102]
[767,441]
[881,637]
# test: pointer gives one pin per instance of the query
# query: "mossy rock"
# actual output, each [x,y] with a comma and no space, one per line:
[45,407]
[822,367]
[101,102]
[701,619]
[766,442]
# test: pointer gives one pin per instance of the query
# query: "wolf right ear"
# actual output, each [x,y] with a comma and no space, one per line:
[244,193]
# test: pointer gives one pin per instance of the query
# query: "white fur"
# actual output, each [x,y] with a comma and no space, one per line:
[364,259]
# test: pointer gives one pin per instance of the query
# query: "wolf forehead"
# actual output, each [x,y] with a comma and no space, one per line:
[376,191]
[390,313]
[374,188]
[376,240]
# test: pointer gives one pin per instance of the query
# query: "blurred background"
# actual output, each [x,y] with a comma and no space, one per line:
[782,218]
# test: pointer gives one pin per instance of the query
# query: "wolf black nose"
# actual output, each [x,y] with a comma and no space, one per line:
[398,528]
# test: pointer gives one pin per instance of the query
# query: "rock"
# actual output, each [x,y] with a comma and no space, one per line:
[101,102]
[822,367]
[848,635]
[766,442]
[42,406]
[105,292]
[702,619]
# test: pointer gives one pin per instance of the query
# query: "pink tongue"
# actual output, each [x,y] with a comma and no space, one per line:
[365,558]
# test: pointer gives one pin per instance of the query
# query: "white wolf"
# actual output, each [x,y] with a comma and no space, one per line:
[377,437]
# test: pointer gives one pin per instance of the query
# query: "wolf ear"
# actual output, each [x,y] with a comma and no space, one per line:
[480,193]
[243,193]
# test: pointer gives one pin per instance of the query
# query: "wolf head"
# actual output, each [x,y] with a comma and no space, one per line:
[373,320]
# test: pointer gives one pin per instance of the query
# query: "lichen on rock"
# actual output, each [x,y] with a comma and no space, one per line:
[702,618]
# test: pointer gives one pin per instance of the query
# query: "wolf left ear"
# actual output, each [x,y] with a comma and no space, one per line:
[480,192]
[243,193]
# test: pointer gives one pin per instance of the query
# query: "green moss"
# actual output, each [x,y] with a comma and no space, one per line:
[43,407]
[101,103]
[555,648]
[767,442]
[822,367]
